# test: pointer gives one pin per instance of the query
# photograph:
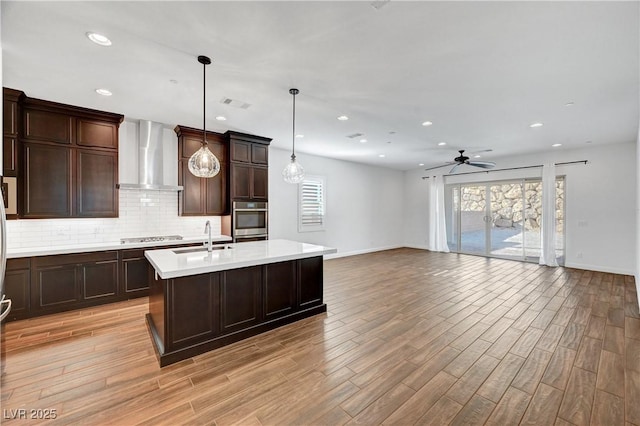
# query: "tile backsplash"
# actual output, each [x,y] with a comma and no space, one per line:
[142,214]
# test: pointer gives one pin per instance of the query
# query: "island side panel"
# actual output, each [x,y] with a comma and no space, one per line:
[310,281]
[157,313]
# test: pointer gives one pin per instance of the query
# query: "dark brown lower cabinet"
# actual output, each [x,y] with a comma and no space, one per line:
[56,286]
[73,281]
[99,279]
[134,273]
[47,284]
[195,314]
[17,287]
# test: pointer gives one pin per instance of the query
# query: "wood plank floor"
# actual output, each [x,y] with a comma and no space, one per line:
[409,337]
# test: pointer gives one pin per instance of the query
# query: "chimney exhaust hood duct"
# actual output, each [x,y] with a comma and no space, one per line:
[157,158]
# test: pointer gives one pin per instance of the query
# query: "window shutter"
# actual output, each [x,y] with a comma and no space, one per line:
[312,204]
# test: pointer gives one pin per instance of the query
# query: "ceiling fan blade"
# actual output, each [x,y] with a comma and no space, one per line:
[480,151]
[441,165]
[454,168]
[482,164]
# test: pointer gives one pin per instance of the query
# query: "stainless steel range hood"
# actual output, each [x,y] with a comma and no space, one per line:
[151,149]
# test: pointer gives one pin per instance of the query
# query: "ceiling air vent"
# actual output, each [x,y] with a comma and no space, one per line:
[235,103]
[355,135]
[378,4]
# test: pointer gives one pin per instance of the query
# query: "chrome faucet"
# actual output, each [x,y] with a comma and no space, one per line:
[207,228]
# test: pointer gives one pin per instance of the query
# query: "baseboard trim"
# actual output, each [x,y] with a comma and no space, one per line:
[417,247]
[357,252]
[596,268]
[600,268]
[637,278]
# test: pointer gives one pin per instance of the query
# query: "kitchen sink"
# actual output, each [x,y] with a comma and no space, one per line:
[199,249]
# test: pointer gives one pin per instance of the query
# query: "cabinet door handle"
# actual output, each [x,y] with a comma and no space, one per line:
[5,313]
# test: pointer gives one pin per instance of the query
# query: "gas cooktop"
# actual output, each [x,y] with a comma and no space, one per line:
[150,239]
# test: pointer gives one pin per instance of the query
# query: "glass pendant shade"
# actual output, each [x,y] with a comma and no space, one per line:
[203,163]
[293,173]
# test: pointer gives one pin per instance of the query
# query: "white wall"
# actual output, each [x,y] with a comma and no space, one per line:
[364,204]
[416,209]
[601,196]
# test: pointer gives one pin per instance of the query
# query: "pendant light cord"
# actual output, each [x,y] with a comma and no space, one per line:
[204,104]
[293,151]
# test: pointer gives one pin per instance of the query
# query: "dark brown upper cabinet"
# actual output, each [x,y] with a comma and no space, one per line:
[69,161]
[249,166]
[96,194]
[48,181]
[94,133]
[10,128]
[202,196]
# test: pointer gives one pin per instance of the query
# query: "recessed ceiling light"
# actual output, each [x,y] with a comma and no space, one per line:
[534,125]
[104,92]
[442,143]
[363,141]
[343,118]
[221,118]
[427,123]
[477,156]
[299,136]
[569,104]
[381,155]
[420,164]
[555,145]
[99,39]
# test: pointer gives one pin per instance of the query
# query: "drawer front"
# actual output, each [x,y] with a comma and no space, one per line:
[68,259]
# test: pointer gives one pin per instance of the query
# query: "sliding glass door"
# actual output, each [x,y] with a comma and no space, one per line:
[501,219]
[473,219]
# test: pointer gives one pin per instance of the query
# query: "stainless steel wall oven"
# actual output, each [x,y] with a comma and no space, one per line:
[250,221]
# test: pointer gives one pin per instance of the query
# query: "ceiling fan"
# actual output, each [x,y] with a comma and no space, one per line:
[463,159]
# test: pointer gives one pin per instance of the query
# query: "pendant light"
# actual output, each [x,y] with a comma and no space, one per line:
[203,163]
[293,173]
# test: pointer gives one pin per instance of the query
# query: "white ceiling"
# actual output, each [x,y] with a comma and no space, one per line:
[482,72]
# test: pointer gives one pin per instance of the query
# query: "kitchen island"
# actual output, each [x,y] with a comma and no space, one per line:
[202,300]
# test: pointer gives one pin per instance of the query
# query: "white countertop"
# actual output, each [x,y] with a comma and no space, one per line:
[240,255]
[104,246]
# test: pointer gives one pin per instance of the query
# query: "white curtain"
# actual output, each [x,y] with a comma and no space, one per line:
[548,229]
[437,225]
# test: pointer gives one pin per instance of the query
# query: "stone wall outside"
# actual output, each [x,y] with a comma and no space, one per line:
[507,204]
